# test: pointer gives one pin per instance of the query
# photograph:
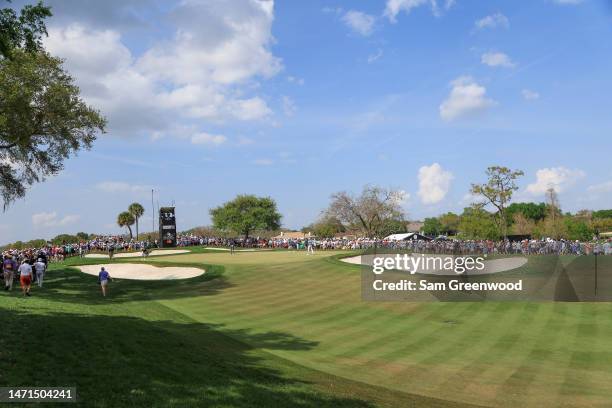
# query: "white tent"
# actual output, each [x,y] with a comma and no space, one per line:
[399,237]
[406,236]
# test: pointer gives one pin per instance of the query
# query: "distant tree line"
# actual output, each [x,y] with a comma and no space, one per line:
[378,212]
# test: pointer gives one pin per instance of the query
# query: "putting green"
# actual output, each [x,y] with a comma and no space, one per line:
[500,354]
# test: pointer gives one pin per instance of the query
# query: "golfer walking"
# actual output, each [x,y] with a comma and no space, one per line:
[40,269]
[103,279]
[25,277]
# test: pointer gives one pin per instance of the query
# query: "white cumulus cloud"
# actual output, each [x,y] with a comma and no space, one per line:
[394,7]
[51,219]
[434,183]
[208,139]
[559,178]
[493,21]
[466,98]
[360,22]
[206,69]
[497,59]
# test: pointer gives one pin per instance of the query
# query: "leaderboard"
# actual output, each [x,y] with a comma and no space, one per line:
[167,227]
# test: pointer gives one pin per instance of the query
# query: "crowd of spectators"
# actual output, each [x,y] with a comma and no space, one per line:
[114,244]
[442,246]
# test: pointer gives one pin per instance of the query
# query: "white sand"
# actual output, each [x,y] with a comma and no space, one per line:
[142,271]
[155,252]
[491,266]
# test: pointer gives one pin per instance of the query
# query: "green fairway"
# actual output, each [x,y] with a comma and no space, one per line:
[281,328]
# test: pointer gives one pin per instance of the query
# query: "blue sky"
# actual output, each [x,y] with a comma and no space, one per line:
[297,100]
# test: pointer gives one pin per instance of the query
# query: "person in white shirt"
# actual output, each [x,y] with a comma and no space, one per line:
[25,277]
[310,247]
[40,268]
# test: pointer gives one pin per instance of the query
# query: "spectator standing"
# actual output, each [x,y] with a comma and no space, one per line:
[40,269]
[9,266]
[25,277]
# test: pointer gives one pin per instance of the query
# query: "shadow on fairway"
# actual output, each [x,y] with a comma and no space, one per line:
[69,285]
[125,361]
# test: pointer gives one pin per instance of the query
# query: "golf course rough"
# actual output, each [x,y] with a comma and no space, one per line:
[281,328]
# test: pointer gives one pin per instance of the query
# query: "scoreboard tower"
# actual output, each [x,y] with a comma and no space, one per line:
[167,227]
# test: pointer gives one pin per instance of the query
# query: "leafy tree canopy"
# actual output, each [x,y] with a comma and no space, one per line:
[325,227]
[476,223]
[23,31]
[63,239]
[126,219]
[43,121]
[602,214]
[432,226]
[245,214]
[532,211]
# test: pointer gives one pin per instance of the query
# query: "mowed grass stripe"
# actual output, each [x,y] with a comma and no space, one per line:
[482,376]
[374,339]
[269,289]
[529,361]
[394,351]
[454,339]
[283,307]
[474,370]
[584,379]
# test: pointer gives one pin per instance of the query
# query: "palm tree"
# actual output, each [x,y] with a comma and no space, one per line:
[136,210]
[125,219]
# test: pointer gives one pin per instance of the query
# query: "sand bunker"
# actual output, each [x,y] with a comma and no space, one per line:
[143,271]
[491,265]
[155,252]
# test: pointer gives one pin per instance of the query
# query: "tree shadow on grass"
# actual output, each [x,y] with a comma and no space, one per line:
[68,284]
[125,361]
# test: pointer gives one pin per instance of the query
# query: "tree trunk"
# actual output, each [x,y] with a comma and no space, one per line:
[130,229]
[136,228]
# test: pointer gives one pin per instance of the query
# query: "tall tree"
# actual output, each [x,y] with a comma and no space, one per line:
[137,210]
[432,226]
[532,211]
[449,223]
[23,31]
[325,227]
[497,191]
[369,212]
[522,225]
[477,223]
[246,213]
[126,219]
[554,226]
[43,121]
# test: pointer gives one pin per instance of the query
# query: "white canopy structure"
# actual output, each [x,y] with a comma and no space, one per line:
[406,237]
